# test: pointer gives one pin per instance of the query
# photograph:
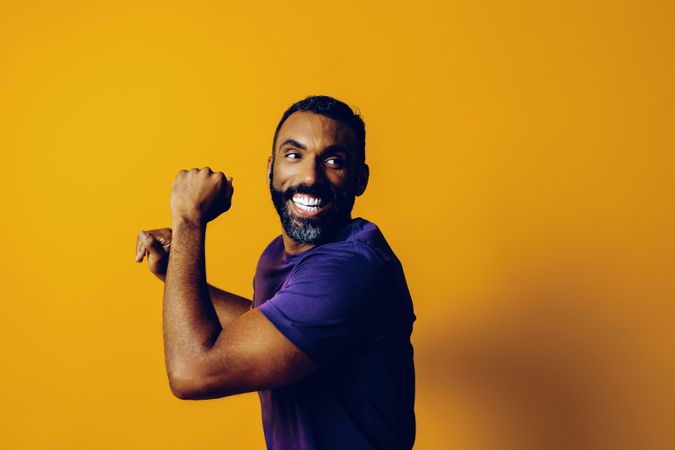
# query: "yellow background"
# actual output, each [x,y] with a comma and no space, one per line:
[522,169]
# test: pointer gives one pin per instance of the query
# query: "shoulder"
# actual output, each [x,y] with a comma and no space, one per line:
[351,258]
[359,236]
[342,274]
[272,256]
[341,271]
[272,249]
[347,251]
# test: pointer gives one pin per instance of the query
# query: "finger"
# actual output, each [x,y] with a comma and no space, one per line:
[140,245]
[163,235]
[143,243]
[154,249]
[181,173]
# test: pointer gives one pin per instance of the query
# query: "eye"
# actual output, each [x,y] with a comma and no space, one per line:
[335,161]
[292,155]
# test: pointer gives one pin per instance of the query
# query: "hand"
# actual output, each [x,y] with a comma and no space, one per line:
[156,244]
[200,195]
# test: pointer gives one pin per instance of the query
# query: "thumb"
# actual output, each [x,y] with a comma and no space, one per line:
[230,186]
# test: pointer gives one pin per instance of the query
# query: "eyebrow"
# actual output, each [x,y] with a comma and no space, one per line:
[337,148]
[294,143]
[330,150]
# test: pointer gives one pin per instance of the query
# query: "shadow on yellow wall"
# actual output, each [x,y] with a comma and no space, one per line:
[570,350]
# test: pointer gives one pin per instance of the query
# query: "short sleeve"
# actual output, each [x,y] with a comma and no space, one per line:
[324,305]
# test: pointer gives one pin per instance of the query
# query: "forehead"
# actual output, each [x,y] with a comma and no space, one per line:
[315,131]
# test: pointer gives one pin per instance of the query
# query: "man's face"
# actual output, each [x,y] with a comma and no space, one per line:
[314,176]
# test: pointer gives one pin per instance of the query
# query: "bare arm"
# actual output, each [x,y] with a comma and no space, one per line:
[205,359]
[191,325]
[156,245]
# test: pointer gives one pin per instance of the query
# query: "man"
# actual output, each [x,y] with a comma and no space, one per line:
[326,339]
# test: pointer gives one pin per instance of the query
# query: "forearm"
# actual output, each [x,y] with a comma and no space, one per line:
[191,324]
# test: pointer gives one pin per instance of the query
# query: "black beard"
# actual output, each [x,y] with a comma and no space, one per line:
[312,230]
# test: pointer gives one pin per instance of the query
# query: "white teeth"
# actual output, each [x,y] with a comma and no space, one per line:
[307,208]
[305,200]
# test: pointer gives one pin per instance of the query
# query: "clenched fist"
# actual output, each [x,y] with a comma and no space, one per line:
[200,195]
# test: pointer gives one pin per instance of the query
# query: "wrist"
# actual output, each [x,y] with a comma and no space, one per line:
[185,221]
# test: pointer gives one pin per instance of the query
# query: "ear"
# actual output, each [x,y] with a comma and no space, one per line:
[269,169]
[362,179]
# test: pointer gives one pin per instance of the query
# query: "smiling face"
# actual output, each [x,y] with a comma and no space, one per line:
[315,174]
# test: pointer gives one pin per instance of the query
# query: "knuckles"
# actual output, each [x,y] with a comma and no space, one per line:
[199,173]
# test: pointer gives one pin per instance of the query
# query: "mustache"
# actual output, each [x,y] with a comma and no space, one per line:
[325,195]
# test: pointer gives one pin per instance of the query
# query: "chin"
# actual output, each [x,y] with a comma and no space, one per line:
[310,230]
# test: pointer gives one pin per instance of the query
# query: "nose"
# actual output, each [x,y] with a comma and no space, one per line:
[311,172]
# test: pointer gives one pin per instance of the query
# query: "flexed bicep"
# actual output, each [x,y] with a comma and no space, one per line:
[250,354]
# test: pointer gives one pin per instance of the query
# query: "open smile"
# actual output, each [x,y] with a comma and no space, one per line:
[308,206]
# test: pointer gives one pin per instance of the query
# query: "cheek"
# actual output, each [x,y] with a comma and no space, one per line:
[344,183]
[339,179]
[285,173]
[278,175]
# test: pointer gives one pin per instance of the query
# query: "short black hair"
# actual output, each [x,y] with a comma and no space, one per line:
[334,109]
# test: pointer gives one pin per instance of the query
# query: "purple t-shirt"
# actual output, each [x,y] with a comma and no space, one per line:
[346,305]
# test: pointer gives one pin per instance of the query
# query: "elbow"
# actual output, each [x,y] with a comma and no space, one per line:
[181,393]
[184,385]
[191,386]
